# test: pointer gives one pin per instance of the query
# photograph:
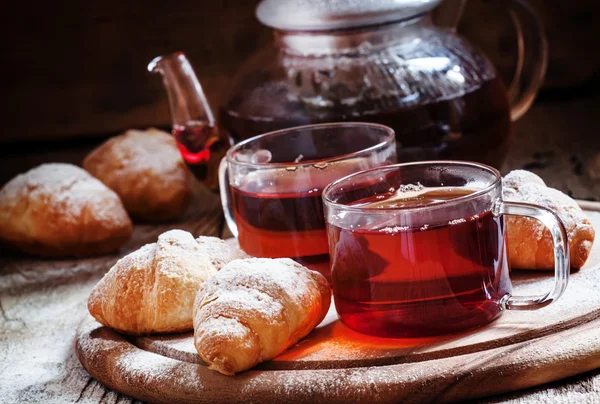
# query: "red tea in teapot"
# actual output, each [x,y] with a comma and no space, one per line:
[202,147]
[471,126]
[408,282]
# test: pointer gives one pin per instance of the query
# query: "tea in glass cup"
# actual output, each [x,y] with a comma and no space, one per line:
[419,249]
[271,185]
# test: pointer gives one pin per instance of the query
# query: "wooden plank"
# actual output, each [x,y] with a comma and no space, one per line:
[139,373]
[42,305]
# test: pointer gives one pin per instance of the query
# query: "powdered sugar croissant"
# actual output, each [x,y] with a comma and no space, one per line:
[254,309]
[529,241]
[152,290]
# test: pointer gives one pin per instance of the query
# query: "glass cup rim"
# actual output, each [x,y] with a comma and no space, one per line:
[454,163]
[389,139]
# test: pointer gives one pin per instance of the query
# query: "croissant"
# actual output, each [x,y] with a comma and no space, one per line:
[254,309]
[529,241]
[152,290]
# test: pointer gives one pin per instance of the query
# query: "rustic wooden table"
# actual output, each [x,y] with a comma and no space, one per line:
[41,303]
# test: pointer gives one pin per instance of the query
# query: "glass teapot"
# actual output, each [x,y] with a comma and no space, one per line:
[380,61]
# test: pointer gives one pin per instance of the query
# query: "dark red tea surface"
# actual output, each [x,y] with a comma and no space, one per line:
[392,281]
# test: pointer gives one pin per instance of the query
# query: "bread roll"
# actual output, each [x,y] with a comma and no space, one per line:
[152,290]
[529,241]
[254,309]
[146,170]
[59,210]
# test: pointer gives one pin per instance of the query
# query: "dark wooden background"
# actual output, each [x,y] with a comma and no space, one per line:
[74,72]
[73,68]
[79,68]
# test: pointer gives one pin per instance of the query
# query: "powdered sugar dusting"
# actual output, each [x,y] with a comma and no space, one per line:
[219,252]
[276,278]
[516,178]
[150,150]
[223,326]
[101,302]
[241,302]
[263,295]
[179,255]
[524,186]
[65,188]
[181,238]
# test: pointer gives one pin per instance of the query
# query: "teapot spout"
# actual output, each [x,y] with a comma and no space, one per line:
[201,144]
[187,101]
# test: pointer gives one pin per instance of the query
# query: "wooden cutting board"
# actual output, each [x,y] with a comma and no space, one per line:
[521,349]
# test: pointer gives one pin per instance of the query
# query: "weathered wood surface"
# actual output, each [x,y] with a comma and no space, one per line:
[42,303]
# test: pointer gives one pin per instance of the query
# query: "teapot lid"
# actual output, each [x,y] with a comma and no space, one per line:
[325,15]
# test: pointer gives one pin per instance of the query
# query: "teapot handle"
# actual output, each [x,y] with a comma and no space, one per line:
[531,44]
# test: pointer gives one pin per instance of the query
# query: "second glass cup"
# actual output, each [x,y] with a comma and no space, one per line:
[419,249]
[271,185]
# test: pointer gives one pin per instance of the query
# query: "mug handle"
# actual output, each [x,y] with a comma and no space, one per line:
[225,192]
[531,43]
[561,254]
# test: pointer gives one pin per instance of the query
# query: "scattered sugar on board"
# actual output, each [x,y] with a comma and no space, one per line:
[161,344]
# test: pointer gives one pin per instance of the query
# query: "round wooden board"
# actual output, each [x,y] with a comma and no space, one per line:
[335,364]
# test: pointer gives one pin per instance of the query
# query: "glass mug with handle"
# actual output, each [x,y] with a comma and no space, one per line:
[271,185]
[419,249]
